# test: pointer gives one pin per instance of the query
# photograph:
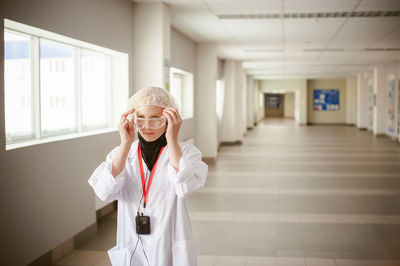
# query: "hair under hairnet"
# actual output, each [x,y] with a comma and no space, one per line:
[152,96]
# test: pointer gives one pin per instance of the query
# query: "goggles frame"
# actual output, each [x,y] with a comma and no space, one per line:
[145,122]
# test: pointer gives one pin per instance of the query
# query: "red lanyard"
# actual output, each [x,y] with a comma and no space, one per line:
[146,190]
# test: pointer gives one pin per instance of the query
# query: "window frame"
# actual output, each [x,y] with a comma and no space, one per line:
[115,100]
[186,93]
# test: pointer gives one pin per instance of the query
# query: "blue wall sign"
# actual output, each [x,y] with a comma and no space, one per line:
[326,100]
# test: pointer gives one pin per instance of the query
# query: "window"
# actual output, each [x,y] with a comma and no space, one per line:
[95,83]
[57,83]
[59,88]
[220,92]
[182,91]
[18,87]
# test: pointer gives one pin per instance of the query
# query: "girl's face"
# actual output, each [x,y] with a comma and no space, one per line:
[148,119]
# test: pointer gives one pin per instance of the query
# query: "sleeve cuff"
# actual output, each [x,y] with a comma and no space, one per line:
[183,173]
[109,180]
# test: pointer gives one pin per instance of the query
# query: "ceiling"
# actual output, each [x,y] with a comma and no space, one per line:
[280,39]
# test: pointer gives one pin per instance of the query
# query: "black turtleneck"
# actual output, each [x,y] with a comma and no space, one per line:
[151,149]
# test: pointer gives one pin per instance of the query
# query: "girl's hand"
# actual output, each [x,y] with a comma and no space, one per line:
[126,129]
[174,124]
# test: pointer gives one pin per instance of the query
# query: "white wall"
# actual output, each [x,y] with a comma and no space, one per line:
[183,56]
[351,101]
[289,105]
[45,198]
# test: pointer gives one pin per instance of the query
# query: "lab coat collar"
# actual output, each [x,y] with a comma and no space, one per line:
[133,150]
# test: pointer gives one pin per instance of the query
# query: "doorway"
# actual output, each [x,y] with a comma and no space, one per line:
[274,105]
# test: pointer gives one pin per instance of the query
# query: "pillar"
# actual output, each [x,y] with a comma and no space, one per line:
[151,42]
[206,124]
[379,111]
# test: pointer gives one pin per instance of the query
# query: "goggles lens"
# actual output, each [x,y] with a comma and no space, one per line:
[151,123]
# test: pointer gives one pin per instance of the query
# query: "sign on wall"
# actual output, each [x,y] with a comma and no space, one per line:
[167,71]
[391,109]
[371,103]
[398,108]
[326,100]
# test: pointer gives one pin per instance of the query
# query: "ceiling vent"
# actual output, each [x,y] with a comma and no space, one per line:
[354,14]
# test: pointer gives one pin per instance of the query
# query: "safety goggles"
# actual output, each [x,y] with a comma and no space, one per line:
[151,123]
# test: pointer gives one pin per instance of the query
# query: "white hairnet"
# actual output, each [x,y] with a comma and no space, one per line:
[152,96]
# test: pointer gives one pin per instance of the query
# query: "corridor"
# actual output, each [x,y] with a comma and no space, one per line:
[290,195]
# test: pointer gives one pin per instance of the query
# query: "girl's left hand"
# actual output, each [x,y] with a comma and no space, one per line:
[174,124]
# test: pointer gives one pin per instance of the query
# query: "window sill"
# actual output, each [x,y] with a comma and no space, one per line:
[59,138]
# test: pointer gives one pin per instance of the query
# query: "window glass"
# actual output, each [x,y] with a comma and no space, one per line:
[18,88]
[57,87]
[94,67]
[220,98]
[176,89]
[182,90]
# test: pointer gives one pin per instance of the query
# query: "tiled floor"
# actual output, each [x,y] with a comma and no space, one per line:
[291,195]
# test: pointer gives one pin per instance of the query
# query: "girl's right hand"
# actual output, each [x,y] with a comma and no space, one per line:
[126,129]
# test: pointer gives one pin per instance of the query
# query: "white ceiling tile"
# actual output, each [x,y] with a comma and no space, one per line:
[390,40]
[245,7]
[268,32]
[379,5]
[360,33]
[310,33]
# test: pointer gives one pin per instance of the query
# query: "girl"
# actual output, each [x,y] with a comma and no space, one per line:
[151,178]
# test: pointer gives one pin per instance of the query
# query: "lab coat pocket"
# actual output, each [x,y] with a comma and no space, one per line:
[184,253]
[123,256]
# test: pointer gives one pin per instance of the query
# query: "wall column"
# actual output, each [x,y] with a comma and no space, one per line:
[379,113]
[302,89]
[250,101]
[362,101]
[205,97]
[240,101]
[351,101]
[152,45]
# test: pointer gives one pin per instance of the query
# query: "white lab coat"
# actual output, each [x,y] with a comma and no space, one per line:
[171,241]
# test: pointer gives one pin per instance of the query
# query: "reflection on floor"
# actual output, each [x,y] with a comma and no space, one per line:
[291,195]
